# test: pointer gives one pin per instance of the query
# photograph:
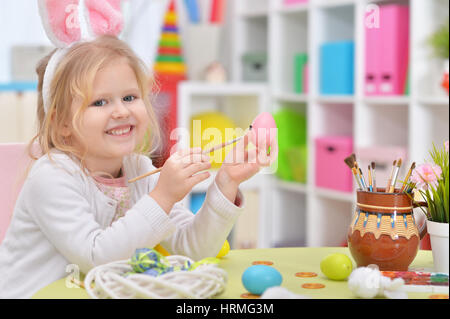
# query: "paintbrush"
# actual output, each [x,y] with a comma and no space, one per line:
[374,181]
[361,176]
[210,150]
[390,176]
[394,178]
[370,178]
[350,161]
[407,178]
[360,173]
[355,173]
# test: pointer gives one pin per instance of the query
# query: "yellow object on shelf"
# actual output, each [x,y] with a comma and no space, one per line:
[210,129]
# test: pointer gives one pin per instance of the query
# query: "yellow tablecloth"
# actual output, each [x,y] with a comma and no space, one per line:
[288,261]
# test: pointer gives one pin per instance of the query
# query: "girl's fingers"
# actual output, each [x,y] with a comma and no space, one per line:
[196,167]
[198,178]
[195,158]
[237,154]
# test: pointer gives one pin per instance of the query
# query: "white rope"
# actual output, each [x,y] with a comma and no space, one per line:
[110,281]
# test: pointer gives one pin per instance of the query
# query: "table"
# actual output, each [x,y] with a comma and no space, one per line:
[288,261]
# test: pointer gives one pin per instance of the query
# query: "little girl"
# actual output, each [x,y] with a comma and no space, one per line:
[76,206]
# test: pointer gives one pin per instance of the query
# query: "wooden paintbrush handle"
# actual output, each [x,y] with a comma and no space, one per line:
[145,175]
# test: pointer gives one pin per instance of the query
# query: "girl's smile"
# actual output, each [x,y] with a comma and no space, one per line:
[121,131]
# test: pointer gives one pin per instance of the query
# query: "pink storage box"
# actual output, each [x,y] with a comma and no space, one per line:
[331,170]
[387,52]
[293,2]
[383,156]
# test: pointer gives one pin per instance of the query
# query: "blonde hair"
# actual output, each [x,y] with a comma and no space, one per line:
[74,78]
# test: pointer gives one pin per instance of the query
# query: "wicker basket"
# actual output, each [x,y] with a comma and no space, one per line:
[112,281]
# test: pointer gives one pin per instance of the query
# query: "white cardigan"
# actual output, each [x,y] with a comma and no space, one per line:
[62,218]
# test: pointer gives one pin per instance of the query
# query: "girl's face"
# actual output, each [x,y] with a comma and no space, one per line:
[116,119]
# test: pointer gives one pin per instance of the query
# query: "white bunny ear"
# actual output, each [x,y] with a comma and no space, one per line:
[104,17]
[60,21]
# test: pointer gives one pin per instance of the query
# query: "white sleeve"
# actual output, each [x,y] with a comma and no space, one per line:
[58,203]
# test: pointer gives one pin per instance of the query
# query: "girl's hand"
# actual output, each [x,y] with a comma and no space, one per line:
[241,164]
[179,175]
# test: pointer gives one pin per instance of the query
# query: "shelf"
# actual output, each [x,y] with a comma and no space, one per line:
[295,187]
[336,99]
[293,9]
[334,3]
[434,101]
[213,89]
[387,100]
[255,13]
[18,86]
[371,120]
[292,97]
[333,194]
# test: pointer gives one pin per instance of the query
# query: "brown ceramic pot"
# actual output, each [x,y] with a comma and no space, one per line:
[383,230]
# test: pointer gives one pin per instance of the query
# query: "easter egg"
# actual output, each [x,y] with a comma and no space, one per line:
[256,279]
[336,266]
[262,129]
[224,250]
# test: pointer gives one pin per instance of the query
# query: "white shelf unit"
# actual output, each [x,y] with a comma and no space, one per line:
[241,103]
[320,216]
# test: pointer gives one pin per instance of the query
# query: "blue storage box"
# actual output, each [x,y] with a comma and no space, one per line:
[337,68]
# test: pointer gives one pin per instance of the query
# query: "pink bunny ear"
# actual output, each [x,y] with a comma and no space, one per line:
[105,17]
[60,21]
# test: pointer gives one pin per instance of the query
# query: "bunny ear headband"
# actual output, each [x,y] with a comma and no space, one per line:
[61,20]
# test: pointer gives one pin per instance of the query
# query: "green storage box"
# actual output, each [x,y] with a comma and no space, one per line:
[292,143]
[254,67]
[300,61]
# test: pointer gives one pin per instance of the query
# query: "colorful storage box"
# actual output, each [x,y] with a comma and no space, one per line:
[254,67]
[300,61]
[337,68]
[387,52]
[292,145]
[331,171]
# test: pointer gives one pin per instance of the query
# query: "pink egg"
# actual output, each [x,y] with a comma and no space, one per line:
[263,128]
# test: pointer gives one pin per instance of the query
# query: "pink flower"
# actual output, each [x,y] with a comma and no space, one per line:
[446,146]
[426,175]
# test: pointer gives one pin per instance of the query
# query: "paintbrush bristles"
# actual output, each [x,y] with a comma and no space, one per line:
[408,176]
[395,176]
[350,162]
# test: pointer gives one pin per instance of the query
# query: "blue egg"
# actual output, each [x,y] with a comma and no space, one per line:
[256,279]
